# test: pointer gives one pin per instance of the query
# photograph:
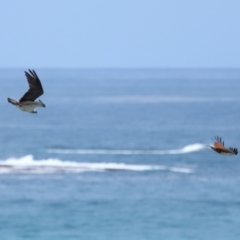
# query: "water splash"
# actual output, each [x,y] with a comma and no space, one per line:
[28,164]
[187,149]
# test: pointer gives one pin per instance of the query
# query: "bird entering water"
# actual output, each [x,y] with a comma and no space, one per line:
[27,103]
[219,147]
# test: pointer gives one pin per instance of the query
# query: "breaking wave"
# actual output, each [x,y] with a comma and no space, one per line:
[187,149]
[27,164]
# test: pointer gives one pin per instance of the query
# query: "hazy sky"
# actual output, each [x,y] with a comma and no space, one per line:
[120,33]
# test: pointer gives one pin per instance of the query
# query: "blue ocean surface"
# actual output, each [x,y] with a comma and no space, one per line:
[121,154]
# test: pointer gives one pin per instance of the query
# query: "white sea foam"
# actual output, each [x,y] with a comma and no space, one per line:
[187,149]
[28,164]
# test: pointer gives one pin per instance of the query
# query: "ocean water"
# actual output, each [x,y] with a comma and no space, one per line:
[121,154]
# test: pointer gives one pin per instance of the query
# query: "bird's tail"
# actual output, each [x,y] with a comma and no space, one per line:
[209,146]
[14,102]
[42,103]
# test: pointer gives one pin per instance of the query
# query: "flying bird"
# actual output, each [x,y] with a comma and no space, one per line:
[219,147]
[27,103]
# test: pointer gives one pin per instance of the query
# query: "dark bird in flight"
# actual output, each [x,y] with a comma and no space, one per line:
[219,147]
[27,103]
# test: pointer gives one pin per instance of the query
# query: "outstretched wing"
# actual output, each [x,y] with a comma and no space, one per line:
[35,87]
[219,143]
[234,150]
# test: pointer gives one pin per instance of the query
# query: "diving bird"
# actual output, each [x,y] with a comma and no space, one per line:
[219,147]
[27,103]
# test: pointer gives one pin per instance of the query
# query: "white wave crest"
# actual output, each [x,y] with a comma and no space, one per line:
[187,149]
[27,164]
